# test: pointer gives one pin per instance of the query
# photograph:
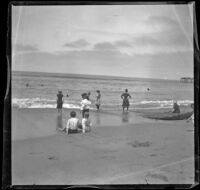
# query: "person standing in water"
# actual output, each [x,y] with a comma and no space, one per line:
[98,99]
[125,96]
[59,101]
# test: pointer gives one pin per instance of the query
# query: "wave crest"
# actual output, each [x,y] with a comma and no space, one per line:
[39,103]
[49,103]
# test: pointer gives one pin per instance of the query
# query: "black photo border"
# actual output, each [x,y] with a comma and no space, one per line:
[6,158]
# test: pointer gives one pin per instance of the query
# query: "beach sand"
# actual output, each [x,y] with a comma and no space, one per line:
[120,149]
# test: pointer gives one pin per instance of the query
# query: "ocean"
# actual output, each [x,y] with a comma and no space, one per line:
[39,90]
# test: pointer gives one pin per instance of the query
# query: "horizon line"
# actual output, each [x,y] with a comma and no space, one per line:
[58,74]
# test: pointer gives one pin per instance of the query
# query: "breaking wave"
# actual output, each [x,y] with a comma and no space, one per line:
[49,103]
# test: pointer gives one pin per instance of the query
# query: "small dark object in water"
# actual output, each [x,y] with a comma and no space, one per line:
[67,95]
[42,84]
[148,89]
[27,84]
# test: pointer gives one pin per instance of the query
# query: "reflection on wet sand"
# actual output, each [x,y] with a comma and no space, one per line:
[59,122]
[125,117]
[112,118]
[98,120]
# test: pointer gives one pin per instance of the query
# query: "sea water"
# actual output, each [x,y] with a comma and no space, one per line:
[38,90]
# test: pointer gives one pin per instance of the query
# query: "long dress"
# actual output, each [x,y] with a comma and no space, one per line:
[125,97]
[59,101]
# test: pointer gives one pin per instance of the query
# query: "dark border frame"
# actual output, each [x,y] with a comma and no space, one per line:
[6,159]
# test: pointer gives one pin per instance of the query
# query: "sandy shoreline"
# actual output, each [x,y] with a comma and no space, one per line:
[37,122]
[121,149]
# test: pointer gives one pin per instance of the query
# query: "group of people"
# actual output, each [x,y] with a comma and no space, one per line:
[73,124]
[85,103]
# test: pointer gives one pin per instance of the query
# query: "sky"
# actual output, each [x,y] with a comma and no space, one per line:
[146,41]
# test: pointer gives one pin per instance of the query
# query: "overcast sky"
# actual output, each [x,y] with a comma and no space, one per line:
[151,41]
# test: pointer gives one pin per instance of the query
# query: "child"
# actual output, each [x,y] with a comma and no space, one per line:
[85,104]
[72,124]
[86,123]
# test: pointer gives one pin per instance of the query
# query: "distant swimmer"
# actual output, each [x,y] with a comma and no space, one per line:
[67,95]
[42,85]
[148,89]
[27,85]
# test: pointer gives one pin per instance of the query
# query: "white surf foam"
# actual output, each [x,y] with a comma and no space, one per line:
[39,103]
[49,103]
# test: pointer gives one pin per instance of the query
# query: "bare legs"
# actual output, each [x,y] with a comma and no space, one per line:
[124,108]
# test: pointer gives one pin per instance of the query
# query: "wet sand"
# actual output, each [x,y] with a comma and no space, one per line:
[120,149]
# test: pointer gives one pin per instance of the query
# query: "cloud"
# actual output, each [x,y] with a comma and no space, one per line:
[108,63]
[171,40]
[105,46]
[162,22]
[77,44]
[24,48]
[148,44]
[147,40]
[123,43]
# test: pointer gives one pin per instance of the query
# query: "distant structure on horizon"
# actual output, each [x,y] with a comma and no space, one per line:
[187,79]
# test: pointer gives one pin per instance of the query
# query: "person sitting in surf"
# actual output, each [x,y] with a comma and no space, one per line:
[176,108]
[72,124]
